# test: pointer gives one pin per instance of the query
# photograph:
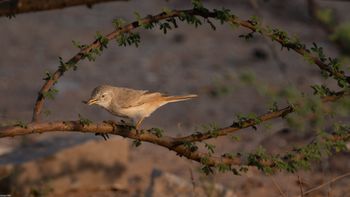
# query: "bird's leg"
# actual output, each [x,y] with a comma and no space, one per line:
[126,124]
[105,135]
[138,124]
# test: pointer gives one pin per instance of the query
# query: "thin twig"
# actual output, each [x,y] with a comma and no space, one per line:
[300,186]
[248,123]
[281,65]
[278,187]
[326,183]
[192,181]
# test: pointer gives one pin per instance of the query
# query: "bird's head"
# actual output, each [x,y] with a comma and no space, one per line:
[102,96]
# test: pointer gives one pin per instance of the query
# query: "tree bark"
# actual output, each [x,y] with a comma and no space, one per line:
[12,7]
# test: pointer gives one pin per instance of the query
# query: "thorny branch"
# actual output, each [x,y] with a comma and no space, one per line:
[12,7]
[173,14]
[179,145]
[176,144]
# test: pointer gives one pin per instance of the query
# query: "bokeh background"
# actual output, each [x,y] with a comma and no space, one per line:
[213,64]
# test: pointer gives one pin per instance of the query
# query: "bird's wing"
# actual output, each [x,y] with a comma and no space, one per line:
[131,98]
[125,97]
[148,97]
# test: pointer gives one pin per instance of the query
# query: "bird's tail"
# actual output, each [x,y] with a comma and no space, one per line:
[171,99]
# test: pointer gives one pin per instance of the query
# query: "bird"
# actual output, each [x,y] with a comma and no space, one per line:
[130,103]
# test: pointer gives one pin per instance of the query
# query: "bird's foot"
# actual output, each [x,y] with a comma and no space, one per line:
[126,124]
[104,135]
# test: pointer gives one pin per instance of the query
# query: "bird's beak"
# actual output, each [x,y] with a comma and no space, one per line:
[91,101]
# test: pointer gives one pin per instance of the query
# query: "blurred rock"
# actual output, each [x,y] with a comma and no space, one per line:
[167,184]
[89,166]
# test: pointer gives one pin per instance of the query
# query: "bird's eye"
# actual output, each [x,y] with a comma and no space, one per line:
[103,96]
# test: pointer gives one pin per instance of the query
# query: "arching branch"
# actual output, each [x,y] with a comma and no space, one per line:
[173,14]
[12,7]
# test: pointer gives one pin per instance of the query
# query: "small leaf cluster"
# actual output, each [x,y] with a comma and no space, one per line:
[242,119]
[128,38]
[102,40]
[169,23]
[48,76]
[223,15]
[206,169]
[66,66]
[322,90]
[136,143]
[197,4]
[118,23]
[191,146]
[190,19]
[302,157]
[84,121]
[342,35]
[92,52]
[21,124]
[333,66]
[50,94]
[211,128]
[157,132]
[210,147]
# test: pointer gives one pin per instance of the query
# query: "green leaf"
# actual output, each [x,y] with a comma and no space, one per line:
[129,38]
[207,170]
[118,23]
[211,128]
[21,124]
[222,15]
[164,27]
[78,45]
[190,19]
[321,90]
[235,138]
[223,167]
[197,4]
[50,94]
[210,147]
[48,76]
[319,52]
[274,107]
[84,121]
[136,143]
[342,35]
[157,131]
[192,147]
[137,15]
[325,15]
[167,10]
[103,40]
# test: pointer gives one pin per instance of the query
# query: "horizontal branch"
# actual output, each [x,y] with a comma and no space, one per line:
[261,161]
[113,129]
[166,15]
[236,126]
[12,7]
[177,144]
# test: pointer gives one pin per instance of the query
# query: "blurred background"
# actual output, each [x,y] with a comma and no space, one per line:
[231,76]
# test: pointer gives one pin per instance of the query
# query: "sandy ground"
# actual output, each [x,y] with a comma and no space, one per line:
[204,60]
